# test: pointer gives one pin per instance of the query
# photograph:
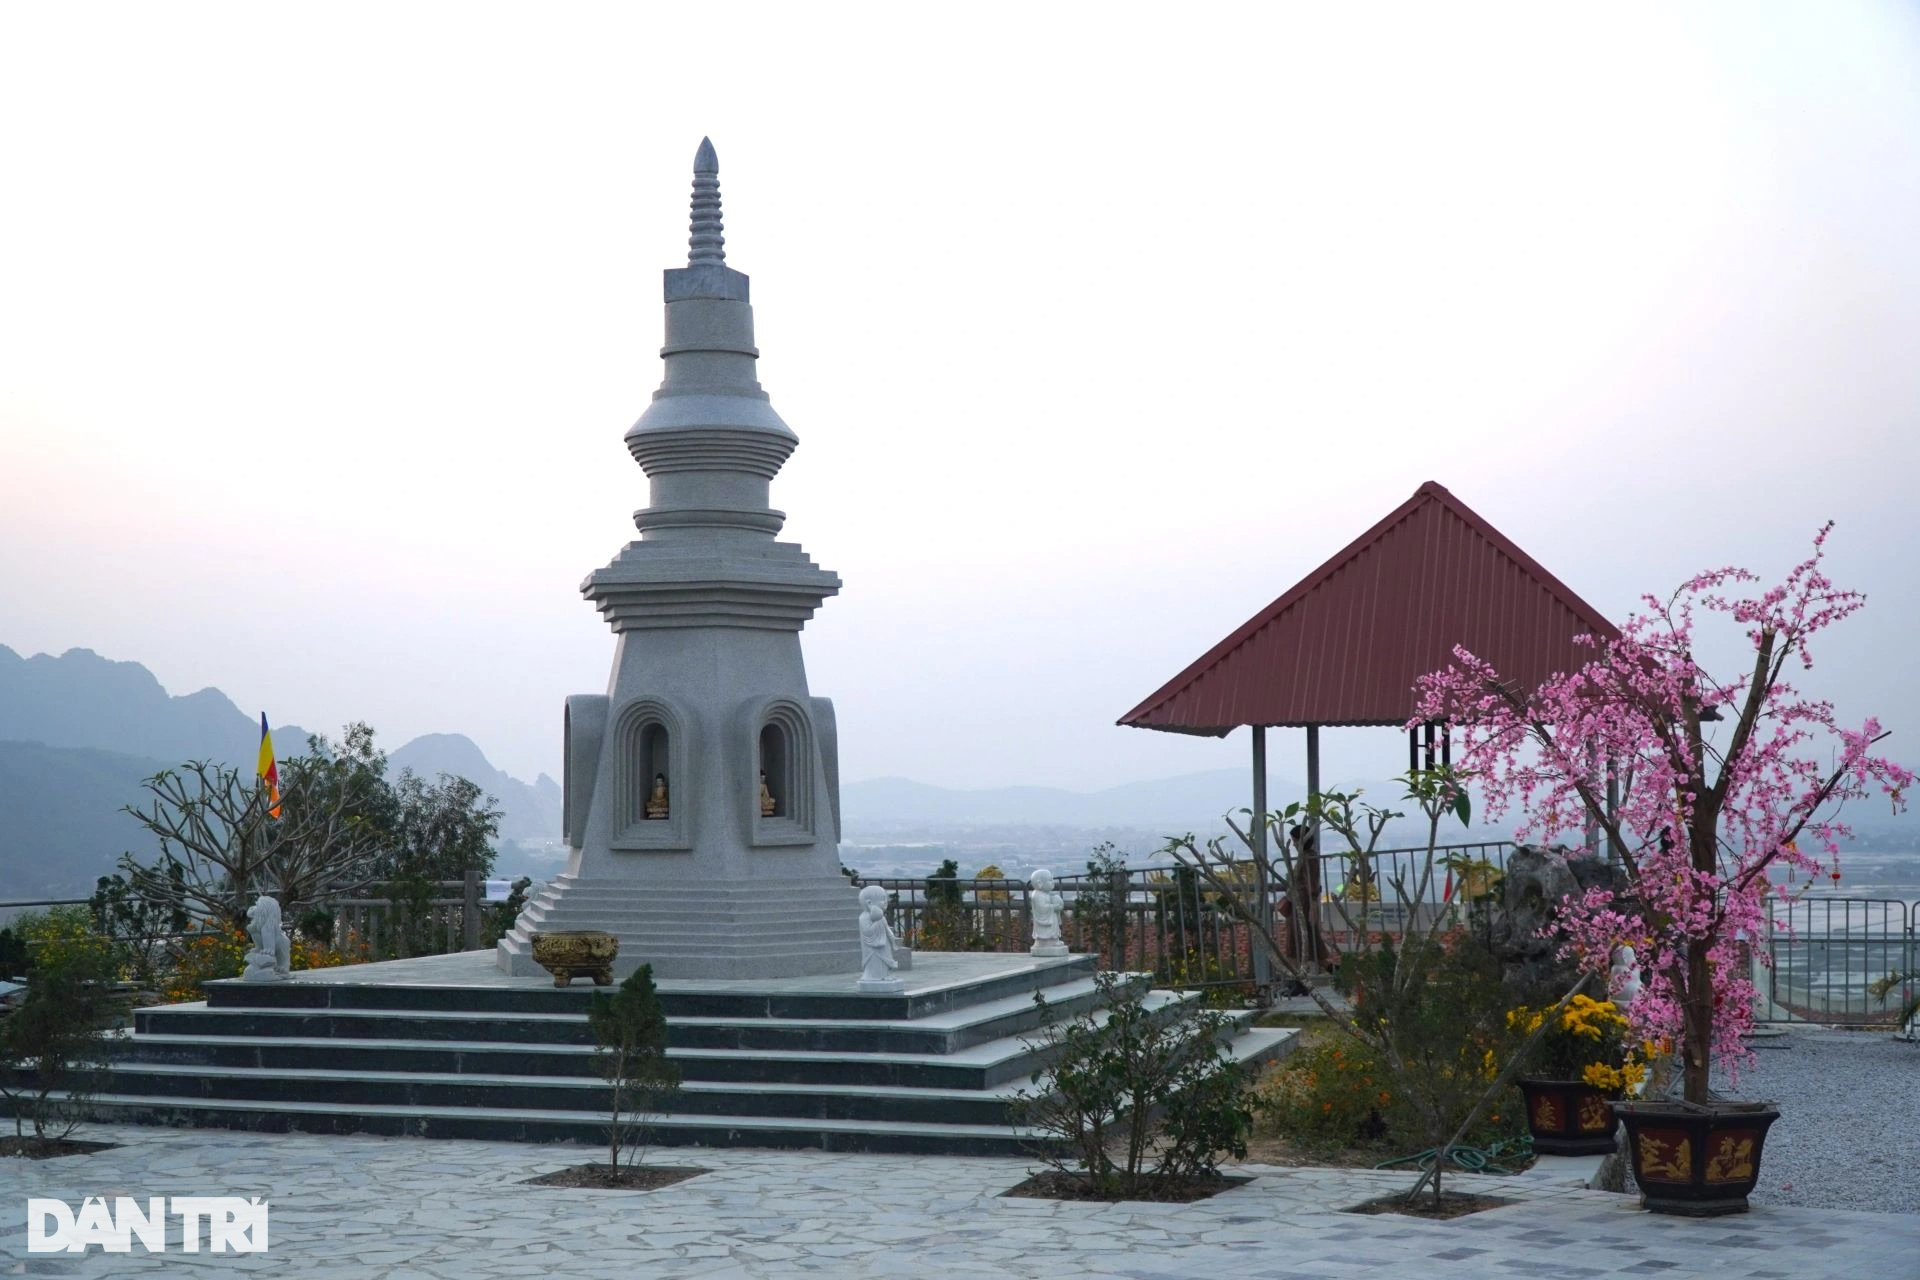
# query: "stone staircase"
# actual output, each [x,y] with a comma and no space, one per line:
[445,1047]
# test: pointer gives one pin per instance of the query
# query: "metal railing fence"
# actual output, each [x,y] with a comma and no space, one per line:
[1827,952]
[1164,920]
[374,924]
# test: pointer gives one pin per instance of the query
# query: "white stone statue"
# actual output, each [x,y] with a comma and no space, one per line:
[1624,981]
[877,961]
[1046,906]
[268,960]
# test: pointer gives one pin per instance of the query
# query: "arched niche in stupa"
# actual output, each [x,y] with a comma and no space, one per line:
[651,746]
[777,740]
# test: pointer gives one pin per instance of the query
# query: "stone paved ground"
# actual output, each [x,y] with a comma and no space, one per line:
[410,1209]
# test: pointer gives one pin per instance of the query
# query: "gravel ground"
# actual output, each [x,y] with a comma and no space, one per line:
[1848,1136]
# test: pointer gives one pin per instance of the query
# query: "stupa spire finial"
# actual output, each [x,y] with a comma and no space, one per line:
[706,244]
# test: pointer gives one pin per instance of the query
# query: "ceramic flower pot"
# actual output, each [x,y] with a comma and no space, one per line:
[1700,1161]
[576,953]
[1569,1118]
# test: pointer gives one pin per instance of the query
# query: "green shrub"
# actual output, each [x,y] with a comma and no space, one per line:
[1135,1096]
[630,1038]
[317,925]
[497,920]
[52,1040]
[1098,912]
[1446,1021]
[1328,1095]
[142,928]
[1334,1094]
[1220,987]
[13,954]
[66,938]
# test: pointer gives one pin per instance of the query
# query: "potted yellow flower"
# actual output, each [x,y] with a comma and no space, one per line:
[1574,1071]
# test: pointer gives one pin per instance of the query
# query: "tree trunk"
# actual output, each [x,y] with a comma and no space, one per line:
[1697,1023]
[1697,1028]
[1440,1139]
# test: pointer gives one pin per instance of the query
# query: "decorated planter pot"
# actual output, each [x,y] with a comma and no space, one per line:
[1569,1118]
[576,953]
[1700,1161]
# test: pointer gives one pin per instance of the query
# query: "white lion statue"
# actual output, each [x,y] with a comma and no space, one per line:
[269,959]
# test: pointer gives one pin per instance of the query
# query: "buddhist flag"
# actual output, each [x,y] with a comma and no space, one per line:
[269,769]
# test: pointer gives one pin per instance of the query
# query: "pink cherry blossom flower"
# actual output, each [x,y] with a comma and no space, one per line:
[1705,811]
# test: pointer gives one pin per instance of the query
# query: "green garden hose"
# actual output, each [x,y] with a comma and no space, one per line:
[1471,1159]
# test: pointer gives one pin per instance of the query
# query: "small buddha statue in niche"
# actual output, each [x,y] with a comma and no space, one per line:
[657,801]
[767,802]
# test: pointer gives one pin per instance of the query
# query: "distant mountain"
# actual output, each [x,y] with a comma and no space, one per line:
[81,699]
[529,811]
[1189,799]
[60,821]
[82,702]
[892,818]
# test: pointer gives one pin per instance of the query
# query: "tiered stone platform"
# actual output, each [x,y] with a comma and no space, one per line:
[447,1046]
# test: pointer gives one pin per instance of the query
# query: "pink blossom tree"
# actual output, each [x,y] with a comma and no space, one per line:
[1719,782]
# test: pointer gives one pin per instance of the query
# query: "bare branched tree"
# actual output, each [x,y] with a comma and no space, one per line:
[216,826]
[1394,933]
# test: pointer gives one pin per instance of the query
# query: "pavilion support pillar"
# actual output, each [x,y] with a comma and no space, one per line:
[1313,773]
[1306,930]
[1262,962]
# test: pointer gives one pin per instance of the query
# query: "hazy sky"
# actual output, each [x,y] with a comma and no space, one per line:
[1100,325]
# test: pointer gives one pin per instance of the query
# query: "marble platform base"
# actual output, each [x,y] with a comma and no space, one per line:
[450,1047]
[881,986]
[1047,950]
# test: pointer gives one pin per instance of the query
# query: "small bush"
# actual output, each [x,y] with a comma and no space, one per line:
[51,1042]
[630,1038]
[1136,1096]
[1444,1012]
[142,927]
[1221,987]
[316,925]
[497,918]
[1098,911]
[219,950]
[1333,1094]
[66,938]
[13,954]
[1329,1095]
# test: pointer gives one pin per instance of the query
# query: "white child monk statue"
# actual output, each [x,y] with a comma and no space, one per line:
[877,961]
[1624,982]
[267,958]
[1046,906]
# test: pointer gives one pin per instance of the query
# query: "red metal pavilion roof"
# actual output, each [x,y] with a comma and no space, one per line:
[1346,644]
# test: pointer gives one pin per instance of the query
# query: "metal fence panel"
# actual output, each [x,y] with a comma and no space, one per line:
[1826,952]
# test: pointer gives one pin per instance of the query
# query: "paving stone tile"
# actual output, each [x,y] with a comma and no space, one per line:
[402,1209]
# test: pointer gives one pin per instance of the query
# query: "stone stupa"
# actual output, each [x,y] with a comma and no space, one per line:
[702,791]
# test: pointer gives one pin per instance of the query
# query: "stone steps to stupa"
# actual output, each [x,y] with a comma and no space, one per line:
[334,1086]
[936,1034]
[840,1117]
[277,1040]
[528,1125]
[449,1046]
